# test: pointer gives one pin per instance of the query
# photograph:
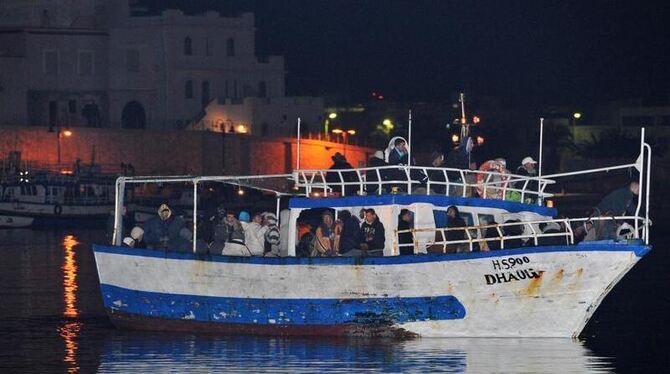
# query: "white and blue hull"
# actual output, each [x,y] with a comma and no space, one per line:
[529,292]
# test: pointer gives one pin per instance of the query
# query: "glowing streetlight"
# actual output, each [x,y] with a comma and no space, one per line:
[67,133]
[351,132]
[332,115]
[577,115]
[387,122]
[337,131]
[455,138]
[344,136]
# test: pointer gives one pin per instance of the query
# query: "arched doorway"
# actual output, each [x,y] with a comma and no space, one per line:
[133,116]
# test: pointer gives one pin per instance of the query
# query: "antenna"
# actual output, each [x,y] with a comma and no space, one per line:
[409,139]
[297,162]
[464,121]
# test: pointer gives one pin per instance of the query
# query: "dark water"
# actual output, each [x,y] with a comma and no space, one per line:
[52,320]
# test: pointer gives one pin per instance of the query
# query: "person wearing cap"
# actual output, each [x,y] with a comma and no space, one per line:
[161,231]
[527,167]
[377,160]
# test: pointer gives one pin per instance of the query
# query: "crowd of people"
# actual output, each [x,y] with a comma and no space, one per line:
[223,233]
[347,236]
[394,180]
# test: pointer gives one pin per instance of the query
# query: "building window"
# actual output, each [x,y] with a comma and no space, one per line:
[205,93]
[85,63]
[230,47]
[188,46]
[132,60]
[51,62]
[188,90]
[262,89]
[208,52]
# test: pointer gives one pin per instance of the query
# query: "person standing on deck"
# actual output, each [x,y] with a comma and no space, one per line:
[456,222]
[163,230]
[405,239]
[350,228]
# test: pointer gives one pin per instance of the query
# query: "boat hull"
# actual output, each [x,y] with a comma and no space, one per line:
[529,292]
[9,221]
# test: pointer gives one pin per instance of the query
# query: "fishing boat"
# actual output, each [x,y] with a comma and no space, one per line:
[45,199]
[521,281]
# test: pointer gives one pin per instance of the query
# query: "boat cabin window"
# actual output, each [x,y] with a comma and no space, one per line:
[29,190]
[442,219]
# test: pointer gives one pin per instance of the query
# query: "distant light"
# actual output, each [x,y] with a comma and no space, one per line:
[480,140]
[387,122]
[332,115]
[380,97]
[241,129]
[316,194]
[476,119]
[67,133]
[337,131]
[240,191]
[550,203]
[455,138]
[577,115]
[351,132]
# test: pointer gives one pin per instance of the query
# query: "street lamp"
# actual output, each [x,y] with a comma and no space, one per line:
[344,137]
[331,116]
[62,133]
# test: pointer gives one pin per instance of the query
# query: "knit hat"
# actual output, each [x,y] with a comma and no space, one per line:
[244,216]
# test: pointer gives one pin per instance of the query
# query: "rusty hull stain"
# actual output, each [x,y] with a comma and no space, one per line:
[534,285]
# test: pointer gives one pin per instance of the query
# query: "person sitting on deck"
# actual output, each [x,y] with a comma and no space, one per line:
[327,237]
[334,180]
[620,202]
[377,160]
[455,223]
[405,239]
[229,237]
[254,233]
[372,234]
[350,230]
[162,231]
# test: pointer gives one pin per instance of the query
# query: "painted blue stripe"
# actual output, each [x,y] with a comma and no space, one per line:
[601,246]
[443,201]
[282,311]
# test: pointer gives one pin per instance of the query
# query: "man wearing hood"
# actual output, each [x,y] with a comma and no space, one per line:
[229,237]
[162,231]
[372,235]
[272,235]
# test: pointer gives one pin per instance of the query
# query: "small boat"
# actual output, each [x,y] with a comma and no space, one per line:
[15,221]
[522,281]
[54,199]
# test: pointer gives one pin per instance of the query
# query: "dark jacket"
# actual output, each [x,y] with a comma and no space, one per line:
[618,202]
[162,234]
[405,238]
[371,175]
[373,234]
[532,185]
[333,179]
[349,235]
[456,234]
[396,159]
[458,158]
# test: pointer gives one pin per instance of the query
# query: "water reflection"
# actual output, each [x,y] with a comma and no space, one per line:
[70,277]
[130,352]
[70,330]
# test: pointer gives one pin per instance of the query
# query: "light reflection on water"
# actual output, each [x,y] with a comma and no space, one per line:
[208,354]
[70,329]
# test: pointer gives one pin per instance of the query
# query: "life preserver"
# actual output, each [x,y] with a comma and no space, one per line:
[58,210]
[496,191]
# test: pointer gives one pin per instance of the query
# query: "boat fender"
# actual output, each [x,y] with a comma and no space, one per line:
[492,192]
[58,210]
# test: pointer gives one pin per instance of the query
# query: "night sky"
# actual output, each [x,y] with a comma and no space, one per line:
[568,52]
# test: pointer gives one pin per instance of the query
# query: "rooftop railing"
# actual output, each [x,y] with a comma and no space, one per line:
[421,180]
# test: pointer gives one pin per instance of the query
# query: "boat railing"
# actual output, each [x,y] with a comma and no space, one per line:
[434,180]
[529,232]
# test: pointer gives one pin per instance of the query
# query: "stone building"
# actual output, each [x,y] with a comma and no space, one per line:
[97,63]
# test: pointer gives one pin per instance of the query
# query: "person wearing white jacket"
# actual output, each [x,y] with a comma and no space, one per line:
[254,235]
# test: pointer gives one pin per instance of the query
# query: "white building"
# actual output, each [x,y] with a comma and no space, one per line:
[93,63]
